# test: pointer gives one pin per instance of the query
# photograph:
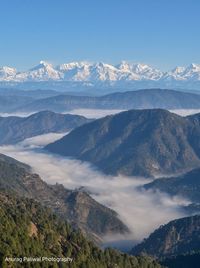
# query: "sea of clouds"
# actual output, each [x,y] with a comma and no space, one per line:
[98,113]
[142,211]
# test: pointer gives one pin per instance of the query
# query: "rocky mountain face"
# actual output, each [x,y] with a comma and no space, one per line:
[180,236]
[140,99]
[103,74]
[186,185]
[136,142]
[15,129]
[76,206]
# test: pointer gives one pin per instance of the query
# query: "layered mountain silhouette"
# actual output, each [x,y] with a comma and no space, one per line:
[12,103]
[136,142]
[140,99]
[15,129]
[76,206]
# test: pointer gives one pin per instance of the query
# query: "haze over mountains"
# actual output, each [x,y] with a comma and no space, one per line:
[101,74]
[17,101]
[140,99]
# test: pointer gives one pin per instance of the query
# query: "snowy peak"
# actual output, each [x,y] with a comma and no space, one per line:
[146,71]
[100,72]
[7,73]
[103,72]
[139,71]
[189,73]
[178,70]
[42,65]
[194,66]
[44,71]
[75,71]
[124,66]
[72,66]
[192,72]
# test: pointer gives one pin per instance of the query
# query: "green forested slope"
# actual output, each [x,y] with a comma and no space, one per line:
[28,229]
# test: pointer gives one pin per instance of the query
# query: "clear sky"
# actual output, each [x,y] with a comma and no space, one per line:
[163,33]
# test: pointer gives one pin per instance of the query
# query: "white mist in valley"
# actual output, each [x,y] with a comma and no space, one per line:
[98,113]
[41,140]
[94,113]
[142,211]
[185,112]
[18,114]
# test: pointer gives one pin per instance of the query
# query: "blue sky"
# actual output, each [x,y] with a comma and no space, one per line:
[163,33]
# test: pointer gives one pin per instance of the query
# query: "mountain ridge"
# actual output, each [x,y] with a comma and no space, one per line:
[181,236]
[145,143]
[186,185]
[139,99]
[15,129]
[98,72]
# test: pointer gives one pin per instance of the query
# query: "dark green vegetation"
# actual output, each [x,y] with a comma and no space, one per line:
[140,99]
[15,129]
[82,211]
[180,236]
[28,229]
[136,142]
[183,261]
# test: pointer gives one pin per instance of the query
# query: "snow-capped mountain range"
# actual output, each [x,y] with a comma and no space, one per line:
[101,73]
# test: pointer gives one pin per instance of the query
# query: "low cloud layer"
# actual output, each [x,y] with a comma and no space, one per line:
[185,112]
[19,114]
[142,211]
[94,113]
[98,113]
[41,140]
[89,113]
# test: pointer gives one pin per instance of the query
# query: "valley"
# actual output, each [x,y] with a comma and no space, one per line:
[100,134]
[88,164]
